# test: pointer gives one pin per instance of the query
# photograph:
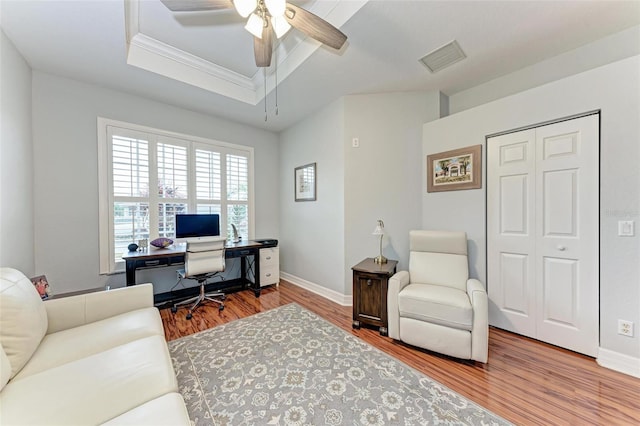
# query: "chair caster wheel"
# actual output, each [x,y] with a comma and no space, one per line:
[174,309]
[221,307]
[189,316]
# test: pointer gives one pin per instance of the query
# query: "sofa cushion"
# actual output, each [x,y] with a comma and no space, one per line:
[94,389]
[167,410]
[436,304]
[79,342]
[23,318]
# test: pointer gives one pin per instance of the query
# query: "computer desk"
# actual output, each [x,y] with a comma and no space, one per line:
[174,256]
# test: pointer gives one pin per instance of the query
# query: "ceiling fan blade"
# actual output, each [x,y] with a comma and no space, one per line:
[314,26]
[196,5]
[262,48]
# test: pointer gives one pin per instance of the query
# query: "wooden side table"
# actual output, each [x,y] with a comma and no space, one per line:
[370,283]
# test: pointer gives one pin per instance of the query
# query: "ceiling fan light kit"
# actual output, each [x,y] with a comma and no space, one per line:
[245,7]
[275,7]
[265,18]
[265,15]
[280,25]
[255,25]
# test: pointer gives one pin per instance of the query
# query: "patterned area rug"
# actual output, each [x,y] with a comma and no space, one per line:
[288,366]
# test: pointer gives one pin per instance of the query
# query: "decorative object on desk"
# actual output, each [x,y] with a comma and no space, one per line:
[236,237]
[143,244]
[305,182]
[42,286]
[379,230]
[455,170]
[294,367]
[162,242]
[132,247]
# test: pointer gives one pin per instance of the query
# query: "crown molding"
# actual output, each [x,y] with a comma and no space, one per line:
[153,55]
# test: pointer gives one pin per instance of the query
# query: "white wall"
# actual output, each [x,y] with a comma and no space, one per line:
[613,48]
[615,90]
[16,161]
[322,240]
[312,232]
[66,177]
[383,176]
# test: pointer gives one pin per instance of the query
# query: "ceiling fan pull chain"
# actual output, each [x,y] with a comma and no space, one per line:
[265,93]
[276,59]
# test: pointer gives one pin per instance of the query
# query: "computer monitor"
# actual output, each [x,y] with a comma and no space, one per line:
[197,225]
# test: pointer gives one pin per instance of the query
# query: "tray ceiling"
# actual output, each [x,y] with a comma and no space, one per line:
[212,50]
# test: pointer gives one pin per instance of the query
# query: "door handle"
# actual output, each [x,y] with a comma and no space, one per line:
[562,248]
[369,283]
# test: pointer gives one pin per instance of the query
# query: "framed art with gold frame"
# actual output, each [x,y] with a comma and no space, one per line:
[455,170]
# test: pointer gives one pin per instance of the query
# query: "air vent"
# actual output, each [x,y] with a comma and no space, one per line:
[443,56]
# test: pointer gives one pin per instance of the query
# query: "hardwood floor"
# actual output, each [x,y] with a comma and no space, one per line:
[525,381]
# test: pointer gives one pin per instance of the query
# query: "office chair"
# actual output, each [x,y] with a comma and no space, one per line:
[203,260]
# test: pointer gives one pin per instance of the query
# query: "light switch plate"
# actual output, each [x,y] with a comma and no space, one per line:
[626,228]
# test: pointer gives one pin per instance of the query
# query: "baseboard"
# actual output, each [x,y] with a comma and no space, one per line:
[619,362]
[334,296]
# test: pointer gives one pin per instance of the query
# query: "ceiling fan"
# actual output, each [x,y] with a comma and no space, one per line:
[268,17]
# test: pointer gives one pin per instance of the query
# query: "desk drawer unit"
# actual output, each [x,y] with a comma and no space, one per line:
[269,266]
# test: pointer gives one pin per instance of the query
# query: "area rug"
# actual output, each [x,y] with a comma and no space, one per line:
[288,366]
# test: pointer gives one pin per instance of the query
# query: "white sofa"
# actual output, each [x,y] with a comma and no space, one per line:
[96,358]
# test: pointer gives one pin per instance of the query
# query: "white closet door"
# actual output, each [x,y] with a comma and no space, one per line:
[511,231]
[543,233]
[567,234]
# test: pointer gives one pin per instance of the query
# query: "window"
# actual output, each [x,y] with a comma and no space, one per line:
[147,176]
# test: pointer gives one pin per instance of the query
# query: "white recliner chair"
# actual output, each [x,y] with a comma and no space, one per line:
[435,305]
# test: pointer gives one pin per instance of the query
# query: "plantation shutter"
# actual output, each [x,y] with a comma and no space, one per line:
[130,180]
[238,193]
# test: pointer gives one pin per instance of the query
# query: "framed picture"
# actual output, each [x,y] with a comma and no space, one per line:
[305,182]
[455,170]
[42,286]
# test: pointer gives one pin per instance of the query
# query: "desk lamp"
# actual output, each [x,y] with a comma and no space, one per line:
[379,230]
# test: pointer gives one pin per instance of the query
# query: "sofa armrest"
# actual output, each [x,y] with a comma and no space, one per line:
[74,311]
[480,331]
[396,283]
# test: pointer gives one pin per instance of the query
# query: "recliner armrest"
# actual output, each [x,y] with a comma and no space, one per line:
[396,283]
[74,311]
[480,331]
[475,289]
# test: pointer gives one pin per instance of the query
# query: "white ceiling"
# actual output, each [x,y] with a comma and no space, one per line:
[87,41]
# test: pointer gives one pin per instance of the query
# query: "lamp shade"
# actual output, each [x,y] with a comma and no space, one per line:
[255,25]
[379,229]
[245,7]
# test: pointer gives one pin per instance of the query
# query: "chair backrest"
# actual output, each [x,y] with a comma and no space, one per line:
[438,257]
[204,257]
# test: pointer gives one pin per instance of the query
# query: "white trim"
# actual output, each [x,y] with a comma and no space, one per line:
[103,196]
[334,296]
[143,51]
[108,263]
[619,362]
